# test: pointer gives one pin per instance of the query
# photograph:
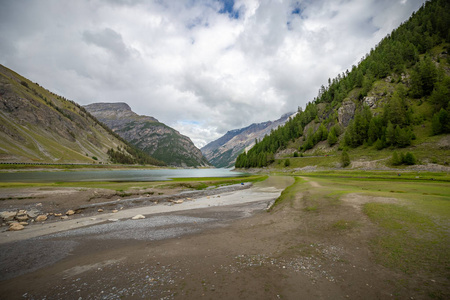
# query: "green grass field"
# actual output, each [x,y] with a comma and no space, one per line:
[412,232]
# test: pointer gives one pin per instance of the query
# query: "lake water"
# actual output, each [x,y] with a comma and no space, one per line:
[116,175]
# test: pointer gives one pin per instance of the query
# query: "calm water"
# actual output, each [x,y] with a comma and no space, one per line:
[116,175]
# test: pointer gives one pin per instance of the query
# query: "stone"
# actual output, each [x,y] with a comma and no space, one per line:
[40,218]
[100,210]
[32,213]
[113,220]
[57,215]
[137,217]
[15,227]
[114,211]
[23,223]
[70,212]
[22,217]
[346,112]
[177,201]
[64,217]
[8,215]
[370,102]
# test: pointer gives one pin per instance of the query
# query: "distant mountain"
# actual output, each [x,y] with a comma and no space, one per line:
[38,126]
[148,134]
[223,151]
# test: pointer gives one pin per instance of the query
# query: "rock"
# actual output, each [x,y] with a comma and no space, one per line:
[370,102]
[137,217]
[57,215]
[100,210]
[114,211]
[113,220]
[346,112]
[23,223]
[70,212]
[15,227]
[8,215]
[177,201]
[40,218]
[33,213]
[64,217]
[22,217]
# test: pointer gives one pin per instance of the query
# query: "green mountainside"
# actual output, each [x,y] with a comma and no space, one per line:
[38,126]
[391,109]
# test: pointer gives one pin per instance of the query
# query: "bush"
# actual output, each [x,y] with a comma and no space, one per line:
[24,83]
[409,159]
[287,163]
[345,159]
[403,159]
[295,154]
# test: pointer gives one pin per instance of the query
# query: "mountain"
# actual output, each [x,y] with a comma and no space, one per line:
[391,109]
[148,134]
[223,151]
[38,126]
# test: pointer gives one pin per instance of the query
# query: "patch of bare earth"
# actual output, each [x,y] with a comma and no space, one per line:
[290,253]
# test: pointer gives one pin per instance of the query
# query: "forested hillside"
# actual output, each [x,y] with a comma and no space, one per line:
[396,97]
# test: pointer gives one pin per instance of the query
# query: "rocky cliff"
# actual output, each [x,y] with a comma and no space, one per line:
[223,151]
[38,126]
[148,134]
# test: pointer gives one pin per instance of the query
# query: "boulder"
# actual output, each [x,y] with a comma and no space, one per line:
[114,211]
[23,223]
[100,210]
[137,217]
[15,227]
[8,215]
[346,112]
[40,218]
[70,212]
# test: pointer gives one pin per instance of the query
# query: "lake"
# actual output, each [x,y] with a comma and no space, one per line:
[116,175]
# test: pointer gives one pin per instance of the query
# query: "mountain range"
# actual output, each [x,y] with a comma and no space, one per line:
[148,134]
[224,151]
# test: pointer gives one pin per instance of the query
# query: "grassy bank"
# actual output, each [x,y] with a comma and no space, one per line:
[410,217]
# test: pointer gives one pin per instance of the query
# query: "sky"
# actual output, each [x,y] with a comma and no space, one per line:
[202,67]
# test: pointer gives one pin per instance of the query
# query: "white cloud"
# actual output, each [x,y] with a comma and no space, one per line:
[199,66]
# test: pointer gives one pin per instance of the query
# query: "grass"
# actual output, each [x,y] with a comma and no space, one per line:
[410,241]
[412,234]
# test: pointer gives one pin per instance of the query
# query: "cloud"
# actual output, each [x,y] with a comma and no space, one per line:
[201,66]
[109,40]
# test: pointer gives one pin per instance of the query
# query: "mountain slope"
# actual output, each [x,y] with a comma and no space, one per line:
[223,151]
[148,134]
[37,125]
[396,98]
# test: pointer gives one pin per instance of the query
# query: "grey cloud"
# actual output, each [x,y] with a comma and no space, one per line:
[109,40]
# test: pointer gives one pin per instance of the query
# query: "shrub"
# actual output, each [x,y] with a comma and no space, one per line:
[345,159]
[287,163]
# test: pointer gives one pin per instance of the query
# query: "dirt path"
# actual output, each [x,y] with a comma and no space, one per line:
[293,252]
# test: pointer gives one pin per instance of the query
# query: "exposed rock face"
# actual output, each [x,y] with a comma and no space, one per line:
[147,133]
[224,151]
[346,112]
[39,126]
